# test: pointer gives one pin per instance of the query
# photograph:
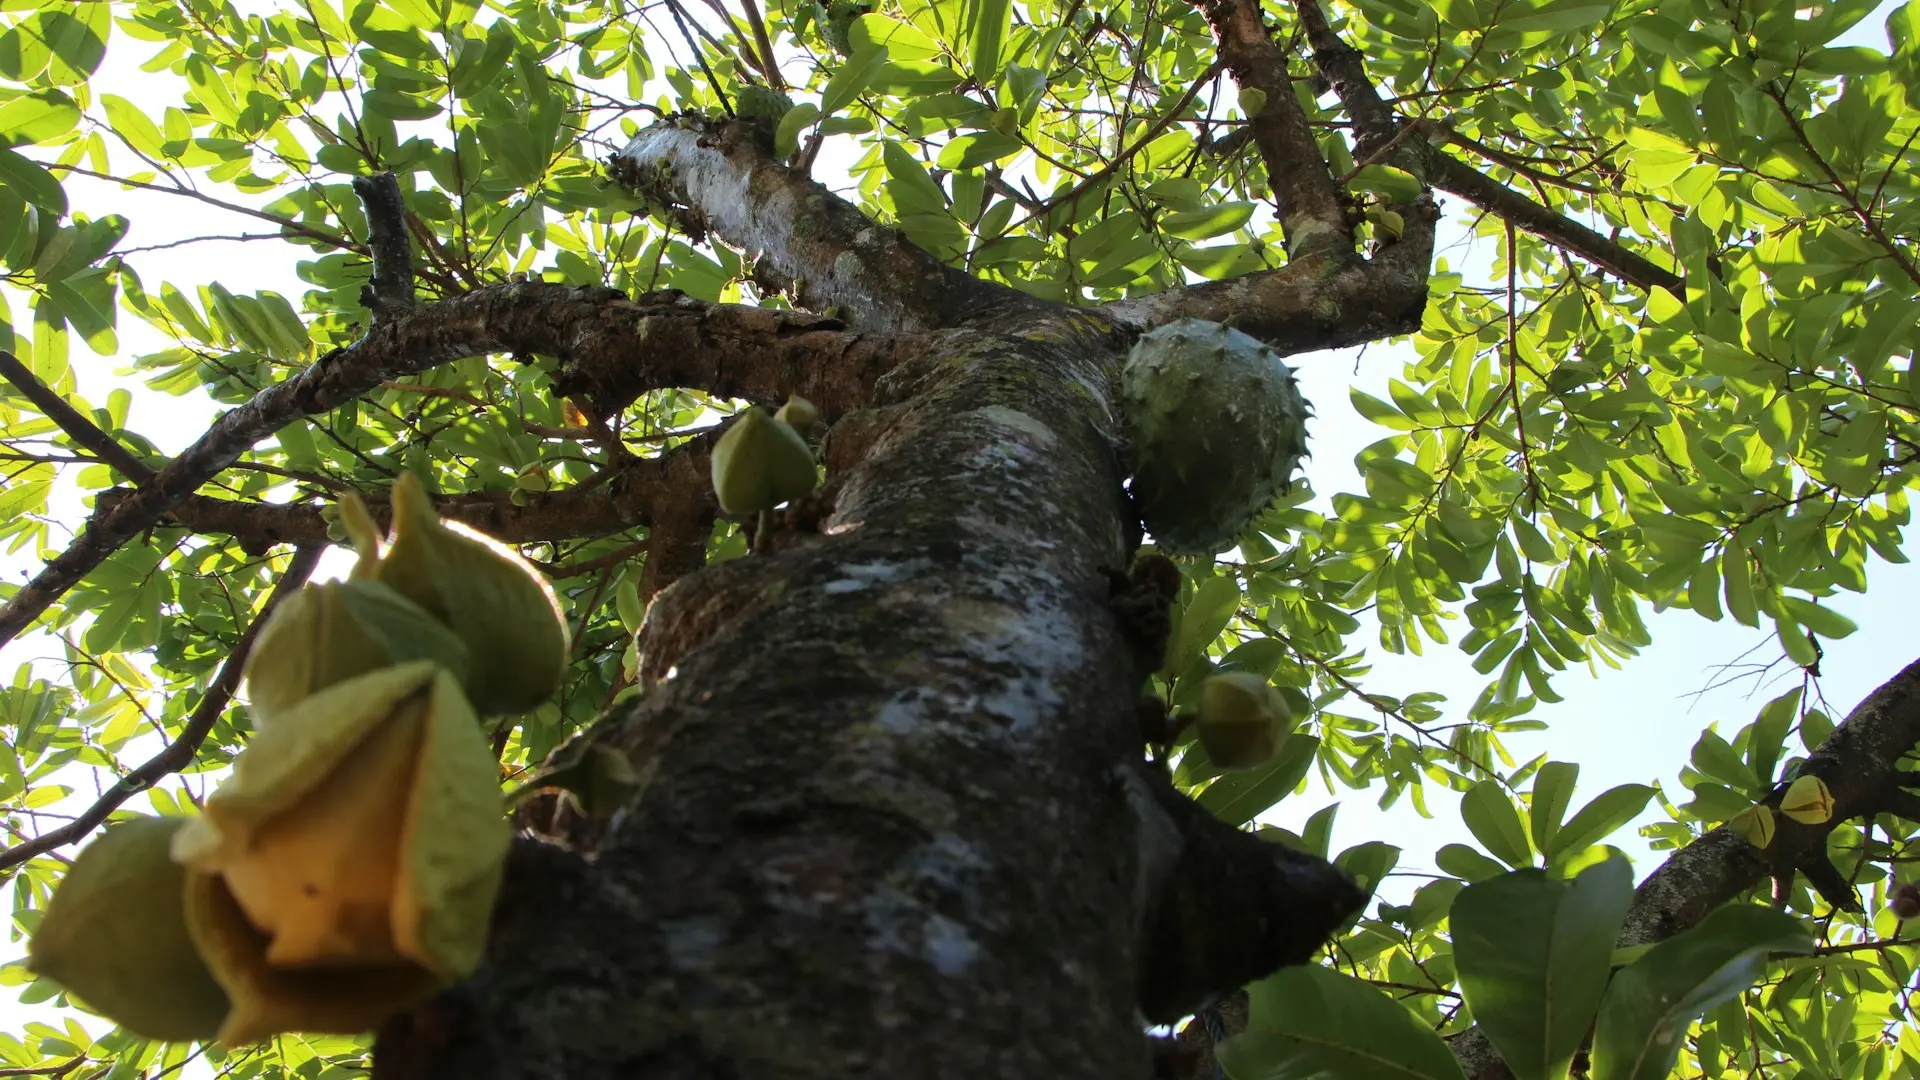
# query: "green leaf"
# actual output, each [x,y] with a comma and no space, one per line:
[1557,16]
[990,20]
[900,39]
[78,44]
[1769,734]
[1390,184]
[1237,798]
[1653,1000]
[1552,791]
[1598,819]
[1313,1022]
[912,188]
[38,118]
[1466,863]
[1533,955]
[1826,622]
[977,149]
[786,138]
[1492,819]
[1205,616]
[31,182]
[133,125]
[1204,224]
[851,79]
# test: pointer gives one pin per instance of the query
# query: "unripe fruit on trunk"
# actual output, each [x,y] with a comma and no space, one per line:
[1243,720]
[759,463]
[1216,427]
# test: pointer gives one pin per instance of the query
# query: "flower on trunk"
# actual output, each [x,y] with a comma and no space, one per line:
[348,867]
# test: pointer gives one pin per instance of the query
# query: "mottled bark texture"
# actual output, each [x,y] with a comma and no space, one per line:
[827,253]
[1859,763]
[894,822]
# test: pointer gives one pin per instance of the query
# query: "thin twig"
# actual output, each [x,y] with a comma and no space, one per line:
[81,430]
[769,66]
[287,225]
[181,751]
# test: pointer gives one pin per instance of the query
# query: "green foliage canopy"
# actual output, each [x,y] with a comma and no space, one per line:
[1731,429]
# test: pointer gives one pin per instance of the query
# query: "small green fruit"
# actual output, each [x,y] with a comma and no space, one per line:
[1754,825]
[1388,224]
[1243,720]
[759,463]
[499,606]
[1808,801]
[761,103]
[799,414]
[116,936]
[329,633]
[1252,101]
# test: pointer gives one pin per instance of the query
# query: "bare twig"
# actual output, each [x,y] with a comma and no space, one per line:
[768,65]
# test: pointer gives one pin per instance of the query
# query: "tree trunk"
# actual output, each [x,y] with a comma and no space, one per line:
[884,771]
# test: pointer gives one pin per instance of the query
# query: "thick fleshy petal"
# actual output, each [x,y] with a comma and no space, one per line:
[116,936]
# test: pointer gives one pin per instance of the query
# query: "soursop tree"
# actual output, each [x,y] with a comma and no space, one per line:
[881,802]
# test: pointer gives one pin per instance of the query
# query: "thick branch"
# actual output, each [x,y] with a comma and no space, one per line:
[390,292]
[1227,907]
[179,753]
[1312,212]
[1858,762]
[575,323]
[627,499]
[82,431]
[760,354]
[1323,301]
[1346,69]
[1377,125]
[1450,174]
[719,178]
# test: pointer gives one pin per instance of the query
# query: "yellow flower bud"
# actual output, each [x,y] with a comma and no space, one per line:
[115,935]
[502,608]
[759,463]
[361,531]
[1808,801]
[1754,825]
[269,1000]
[328,633]
[1243,720]
[349,865]
[799,414]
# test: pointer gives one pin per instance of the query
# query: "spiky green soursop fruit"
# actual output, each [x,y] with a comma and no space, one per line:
[1215,428]
[839,26]
[761,103]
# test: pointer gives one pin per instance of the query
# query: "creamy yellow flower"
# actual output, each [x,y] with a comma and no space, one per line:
[355,851]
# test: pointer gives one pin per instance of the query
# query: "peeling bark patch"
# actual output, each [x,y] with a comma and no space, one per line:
[867,575]
[1015,420]
[949,949]
[901,925]
[909,914]
[691,943]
